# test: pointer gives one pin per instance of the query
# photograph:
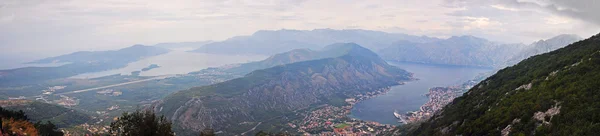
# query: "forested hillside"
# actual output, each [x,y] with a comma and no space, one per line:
[555,93]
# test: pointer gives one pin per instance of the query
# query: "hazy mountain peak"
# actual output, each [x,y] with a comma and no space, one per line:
[269,42]
[467,38]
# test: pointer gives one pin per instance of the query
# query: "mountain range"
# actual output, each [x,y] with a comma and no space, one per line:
[543,46]
[554,93]
[264,95]
[456,50]
[471,51]
[267,42]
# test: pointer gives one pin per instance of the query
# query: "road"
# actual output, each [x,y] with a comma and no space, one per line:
[243,134]
[115,85]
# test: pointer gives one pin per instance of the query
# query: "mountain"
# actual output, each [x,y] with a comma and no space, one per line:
[456,50]
[80,62]
[182,45]
[296,55]
[39,111]
[128,54]
[544,46]
[555,93]
[471,51]
[271,42]
[264,96]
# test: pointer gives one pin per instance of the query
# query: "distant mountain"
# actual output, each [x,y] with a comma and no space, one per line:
[128,54]
[544,46]
[39,111]
[271,42]
[471,51]
[235,106]
[555,93]
[296,55]
[183,45]
[80,62]
[456,50]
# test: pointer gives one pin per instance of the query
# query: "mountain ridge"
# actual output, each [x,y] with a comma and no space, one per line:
[264,94]
[269,42]
[548,94]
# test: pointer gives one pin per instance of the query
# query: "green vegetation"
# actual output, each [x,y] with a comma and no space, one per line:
[17,123]
[564,81]
[43,112]
[141,123]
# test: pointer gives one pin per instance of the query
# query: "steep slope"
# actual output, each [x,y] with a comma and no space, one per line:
[271,42]
[80,62]
[237,105]
[456,50]
[555,93]
[543,46]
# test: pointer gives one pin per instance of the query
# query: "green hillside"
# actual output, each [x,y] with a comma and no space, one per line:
[555,93]
[58,115]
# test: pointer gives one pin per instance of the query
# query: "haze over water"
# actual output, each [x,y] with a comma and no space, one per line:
[409,97]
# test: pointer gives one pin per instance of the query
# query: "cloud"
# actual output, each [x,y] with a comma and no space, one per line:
[63,26]
[6,19]
[585,10]
[501,7]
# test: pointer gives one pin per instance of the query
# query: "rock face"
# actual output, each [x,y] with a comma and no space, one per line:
[237,105]
[543,46]
[556,94]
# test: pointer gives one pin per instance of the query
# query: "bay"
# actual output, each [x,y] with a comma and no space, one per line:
[409,97]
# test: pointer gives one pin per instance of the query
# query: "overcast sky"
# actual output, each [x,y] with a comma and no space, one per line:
[42,28]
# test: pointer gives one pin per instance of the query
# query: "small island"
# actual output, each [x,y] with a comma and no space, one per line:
[153,66]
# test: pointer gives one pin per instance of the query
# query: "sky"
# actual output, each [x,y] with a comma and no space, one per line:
[41,28]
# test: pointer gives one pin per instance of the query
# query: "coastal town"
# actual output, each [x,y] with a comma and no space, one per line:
[438,98]
[329,120]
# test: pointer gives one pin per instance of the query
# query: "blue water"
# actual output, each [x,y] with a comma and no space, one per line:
[409,97]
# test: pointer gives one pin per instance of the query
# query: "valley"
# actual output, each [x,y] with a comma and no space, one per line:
[299,68]
[351,90]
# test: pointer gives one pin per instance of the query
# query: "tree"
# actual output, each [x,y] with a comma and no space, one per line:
[141,123]
[47,129]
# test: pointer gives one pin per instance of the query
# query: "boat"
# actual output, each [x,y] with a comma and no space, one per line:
[399,116]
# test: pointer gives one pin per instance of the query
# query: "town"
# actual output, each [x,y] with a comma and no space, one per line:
[329,120]
[438,98]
